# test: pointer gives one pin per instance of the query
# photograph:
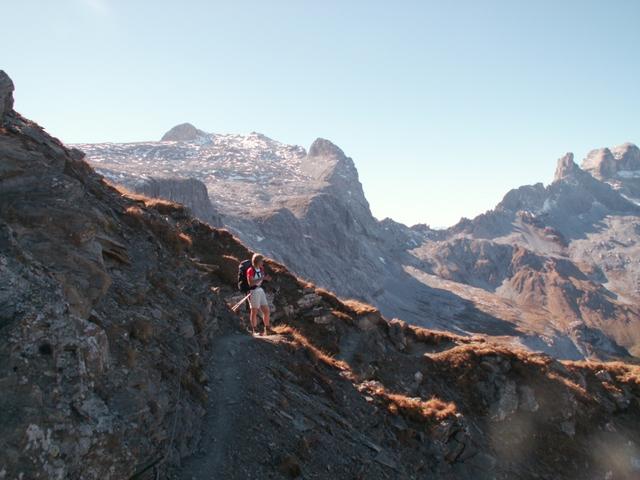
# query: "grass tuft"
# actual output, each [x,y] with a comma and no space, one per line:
[314,351]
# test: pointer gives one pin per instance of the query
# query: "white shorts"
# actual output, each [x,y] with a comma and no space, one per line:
[258,298]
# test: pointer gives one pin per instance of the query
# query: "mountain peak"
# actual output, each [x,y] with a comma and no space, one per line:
[566,167]
[627,156]
[600,163]
[327,162]
[185,132]
[6,94]
[322,147]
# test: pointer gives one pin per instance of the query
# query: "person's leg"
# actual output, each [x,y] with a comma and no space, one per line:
[253,319]
[265,317]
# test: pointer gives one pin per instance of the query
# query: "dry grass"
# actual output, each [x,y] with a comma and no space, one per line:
[342,316]
[462,356]
[134,211]
[569,384]
[185,239]
[330,298]
[314,351]
[414,408]
[360,308]
[434,337]
[419,410]
[623,372]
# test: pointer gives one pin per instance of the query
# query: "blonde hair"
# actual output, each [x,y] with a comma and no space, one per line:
[256,259]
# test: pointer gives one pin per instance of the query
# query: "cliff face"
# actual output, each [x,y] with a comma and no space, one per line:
[119,358]
[186,191]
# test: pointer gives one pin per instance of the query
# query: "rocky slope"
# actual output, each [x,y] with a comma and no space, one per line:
[551,268]
[119,358]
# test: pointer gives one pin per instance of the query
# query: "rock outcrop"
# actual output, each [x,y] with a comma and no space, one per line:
[189,192]
[627,157]
[566,168]
[605,164]
[600,162]
[185,132]
[120,358]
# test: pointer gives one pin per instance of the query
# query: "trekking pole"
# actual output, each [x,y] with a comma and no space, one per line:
[235,308]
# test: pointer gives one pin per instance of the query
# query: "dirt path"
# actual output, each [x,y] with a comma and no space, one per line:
[228,373]
[234,372]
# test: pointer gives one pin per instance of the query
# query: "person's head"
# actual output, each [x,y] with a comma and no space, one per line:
[257,260]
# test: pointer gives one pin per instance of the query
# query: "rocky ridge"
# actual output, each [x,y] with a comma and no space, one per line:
[116,348]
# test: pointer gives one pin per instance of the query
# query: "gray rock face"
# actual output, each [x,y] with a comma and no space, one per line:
[326,162]
[6,95]
[526,197]
[605,164]
[566,168]
[600,162]
[190,192]
[627,157]
[185,132]
[591,341]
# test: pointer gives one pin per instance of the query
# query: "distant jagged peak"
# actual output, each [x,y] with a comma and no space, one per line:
[185,132]
[6,95]
[327,162]
[322,147]
[600,163]
[566,168]
[527,197]
[622,150]
[605,163]
[627,156]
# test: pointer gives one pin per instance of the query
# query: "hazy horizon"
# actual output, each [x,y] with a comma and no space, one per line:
[443,108]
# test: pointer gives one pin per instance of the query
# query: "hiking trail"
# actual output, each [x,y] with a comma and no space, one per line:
[234,374]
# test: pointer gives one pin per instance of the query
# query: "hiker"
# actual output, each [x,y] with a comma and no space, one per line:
[258,299]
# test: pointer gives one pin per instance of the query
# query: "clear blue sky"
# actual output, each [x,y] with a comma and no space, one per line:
[444,106]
